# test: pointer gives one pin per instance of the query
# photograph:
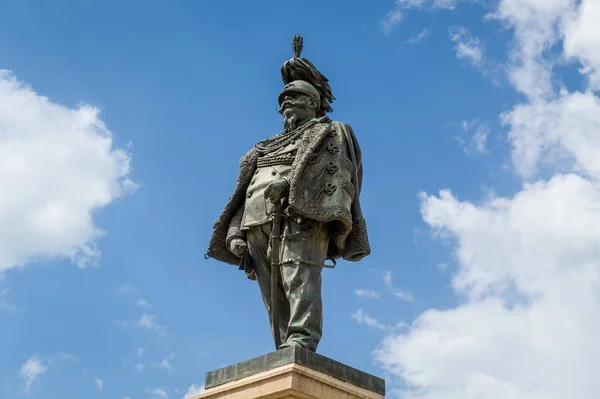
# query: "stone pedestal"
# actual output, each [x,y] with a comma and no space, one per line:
[291,373]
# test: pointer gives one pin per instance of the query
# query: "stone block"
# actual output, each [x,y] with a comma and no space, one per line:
[291,373]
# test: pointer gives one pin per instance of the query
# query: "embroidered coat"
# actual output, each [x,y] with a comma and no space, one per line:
[325,184]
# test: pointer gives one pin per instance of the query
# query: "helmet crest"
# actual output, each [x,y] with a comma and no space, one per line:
[298,68]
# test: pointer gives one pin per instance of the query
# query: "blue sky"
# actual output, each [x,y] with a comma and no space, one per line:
[122,168]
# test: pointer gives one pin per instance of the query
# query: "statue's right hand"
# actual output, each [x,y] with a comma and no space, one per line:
[237,246]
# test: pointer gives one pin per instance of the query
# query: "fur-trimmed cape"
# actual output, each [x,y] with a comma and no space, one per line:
[325,184]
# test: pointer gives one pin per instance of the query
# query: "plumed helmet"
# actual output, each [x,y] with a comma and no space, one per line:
[300,86]
[300,69]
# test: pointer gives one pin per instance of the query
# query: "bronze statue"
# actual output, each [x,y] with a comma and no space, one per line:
[296,205]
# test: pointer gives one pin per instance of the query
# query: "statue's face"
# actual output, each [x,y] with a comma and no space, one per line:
[299,104]
[297,109]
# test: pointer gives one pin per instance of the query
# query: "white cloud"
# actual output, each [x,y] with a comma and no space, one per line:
[157,392]
[387,278]
[397,292]
[58,165]
[425,33]
[404,295]
[147,321]
[554,127]
[367,294]
[394,16]
[124,290]
[362,318]
[480,138]
[99,383]
[560,132]
[123,324]
[581,40]
[468,47]
[5,303]
[390,21]
[471,49]
[31,370]
[528,268]
[165,363]
[194,390]
[64,356]
[140,366]
[143,303]
[140,351]
[477,134]
[55,360]
[537,27]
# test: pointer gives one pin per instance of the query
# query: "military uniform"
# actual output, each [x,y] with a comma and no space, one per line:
[302,254]
[321,162]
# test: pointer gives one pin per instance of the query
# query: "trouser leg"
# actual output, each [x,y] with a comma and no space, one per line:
[302,285]
[304,252]
[300,305]
[258,244]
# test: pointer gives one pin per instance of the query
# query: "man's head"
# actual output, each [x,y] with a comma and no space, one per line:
[299,102]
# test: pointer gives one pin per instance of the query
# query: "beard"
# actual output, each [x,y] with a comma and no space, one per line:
[290,120]
[289,109]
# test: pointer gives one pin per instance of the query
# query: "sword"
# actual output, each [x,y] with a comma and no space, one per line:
[275,263]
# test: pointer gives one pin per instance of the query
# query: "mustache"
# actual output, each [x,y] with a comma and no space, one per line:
[289,103]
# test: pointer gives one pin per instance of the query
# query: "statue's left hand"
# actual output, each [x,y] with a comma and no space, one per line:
[277,190]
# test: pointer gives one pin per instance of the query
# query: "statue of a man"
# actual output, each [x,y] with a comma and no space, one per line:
[311,174]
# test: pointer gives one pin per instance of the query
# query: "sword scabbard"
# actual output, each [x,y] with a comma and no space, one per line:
[275,263]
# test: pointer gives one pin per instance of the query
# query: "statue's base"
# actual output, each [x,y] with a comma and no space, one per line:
[291,373]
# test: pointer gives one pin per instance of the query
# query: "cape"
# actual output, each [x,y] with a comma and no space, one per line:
[325,184]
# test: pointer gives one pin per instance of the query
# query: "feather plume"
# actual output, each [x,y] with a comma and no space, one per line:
[299,68]
[297,45]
